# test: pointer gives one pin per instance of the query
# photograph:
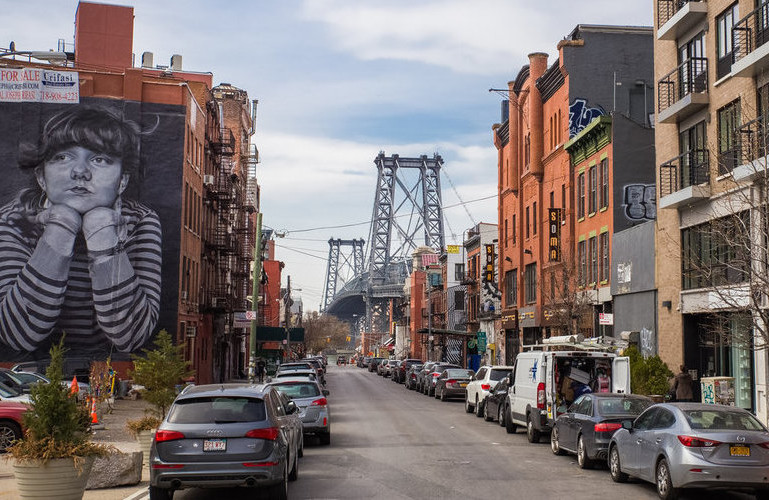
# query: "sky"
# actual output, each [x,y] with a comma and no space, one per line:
[338,81]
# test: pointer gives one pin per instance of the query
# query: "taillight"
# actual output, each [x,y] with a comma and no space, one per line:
[607,427]
[764,445]
[694,442]
[161,436]
[319,402]
[268,433]
[167,466]
[485,387]
[541,396]
[435,374]
[260,464]
[451,382]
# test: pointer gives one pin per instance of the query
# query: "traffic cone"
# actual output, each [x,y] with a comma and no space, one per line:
[74,388]
[94,417]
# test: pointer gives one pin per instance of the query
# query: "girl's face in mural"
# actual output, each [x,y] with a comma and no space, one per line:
[82,179]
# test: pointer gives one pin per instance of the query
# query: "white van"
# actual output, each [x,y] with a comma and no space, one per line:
[545,383]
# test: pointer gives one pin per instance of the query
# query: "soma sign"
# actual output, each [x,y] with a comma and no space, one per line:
[554,236]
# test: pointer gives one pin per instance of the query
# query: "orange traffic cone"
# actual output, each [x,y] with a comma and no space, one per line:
[94,417]
[74,388]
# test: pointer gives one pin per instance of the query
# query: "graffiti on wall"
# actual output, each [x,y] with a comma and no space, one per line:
[84,236]
[647,342]
[640,201]
[580,115]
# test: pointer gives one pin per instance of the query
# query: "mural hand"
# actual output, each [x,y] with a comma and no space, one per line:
[100,228]
[62,217]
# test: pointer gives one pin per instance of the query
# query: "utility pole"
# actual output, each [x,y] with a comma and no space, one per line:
[256,277]
[288,318]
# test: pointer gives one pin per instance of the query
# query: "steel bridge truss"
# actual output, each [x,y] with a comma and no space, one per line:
[340,273]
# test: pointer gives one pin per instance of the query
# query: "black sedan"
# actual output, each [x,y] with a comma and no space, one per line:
[588,425]
[452,382]
[494,407]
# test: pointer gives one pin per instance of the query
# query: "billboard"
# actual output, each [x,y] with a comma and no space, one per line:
[90,213]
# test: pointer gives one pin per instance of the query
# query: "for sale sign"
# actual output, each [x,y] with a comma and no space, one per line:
[39,85]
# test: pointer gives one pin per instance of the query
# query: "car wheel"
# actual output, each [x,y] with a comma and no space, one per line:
[468,406]
[280,491]
[294,474]
[614,466]
[665,488]
[325,438]
[9,432]
[486,416]
[582,460]
[554,444]
[478,407]
[160,493]
[510,427]
[501,415]
[301,447]
[443,396]
[532,434]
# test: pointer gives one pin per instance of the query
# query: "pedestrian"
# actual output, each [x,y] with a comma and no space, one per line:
[682,386]
[260,370]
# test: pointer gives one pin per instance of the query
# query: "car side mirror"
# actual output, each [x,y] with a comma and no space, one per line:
[326,392]
[627,424]
[291,407]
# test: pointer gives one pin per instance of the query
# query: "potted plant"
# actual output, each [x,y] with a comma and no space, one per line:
[55,456]
[159,371]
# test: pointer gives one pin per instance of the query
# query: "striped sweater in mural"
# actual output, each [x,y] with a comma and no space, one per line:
[111,299]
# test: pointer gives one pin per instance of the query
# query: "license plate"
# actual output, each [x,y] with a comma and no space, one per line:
[214,444]
[463,384]
[739,451]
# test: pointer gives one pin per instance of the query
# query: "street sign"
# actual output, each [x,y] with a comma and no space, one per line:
[250,315]
[481,342]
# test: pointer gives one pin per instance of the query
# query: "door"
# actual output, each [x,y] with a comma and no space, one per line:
[630,451]
[581,417]
[620,375]
[567,425]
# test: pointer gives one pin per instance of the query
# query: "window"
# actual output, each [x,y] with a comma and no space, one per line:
[603,252]
[713,253]
[728,151]
[582,256]
[511,288]
[459,272]
[527,149]
[459,300]
[692,73]
[593,248]
[581,195]
[527,222]
[604,198]
[515,230]
[664,420]
[506,233]
[593,178]
[530,283]
[724,26]
[693,148]
[552,199]
[534,216]
[563,199]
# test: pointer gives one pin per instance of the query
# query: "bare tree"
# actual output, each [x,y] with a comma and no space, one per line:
[567,303]
[323,331]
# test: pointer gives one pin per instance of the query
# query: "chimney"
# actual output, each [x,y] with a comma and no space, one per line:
[104,35]
[148,60]
[176,62]
[537,67]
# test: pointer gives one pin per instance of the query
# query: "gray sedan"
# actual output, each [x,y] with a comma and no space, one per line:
[225,435]
[692,445]
[312,403]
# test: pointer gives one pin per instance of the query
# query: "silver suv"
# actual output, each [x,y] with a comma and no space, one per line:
[227,435]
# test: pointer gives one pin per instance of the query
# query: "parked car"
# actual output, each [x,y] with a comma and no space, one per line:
[373,364]
[380,369]
[8,394]
[11,425]
[399,375]
[430,378]
[30,378]
[421,375]
[312,403]
[481,383]
[411,376]
[296,365]
[546,383]
[389,367]
[587,427]
[363,361]
[309,374]
[222,435]
[317,365]
[452,383]
[341,360]
[10,379]
[494,406]
[692,445]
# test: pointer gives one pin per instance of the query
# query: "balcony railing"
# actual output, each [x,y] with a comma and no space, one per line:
[666,9]
[691,76]
[751,32]
[689,169]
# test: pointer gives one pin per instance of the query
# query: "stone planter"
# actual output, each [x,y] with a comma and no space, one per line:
[145,443]
[58,478]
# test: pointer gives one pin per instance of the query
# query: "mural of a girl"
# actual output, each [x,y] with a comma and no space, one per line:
[75,257]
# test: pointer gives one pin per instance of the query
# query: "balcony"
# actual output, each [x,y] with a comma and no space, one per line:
[685,179]
[752,150]
[749,37]
[683,91]
[675,17]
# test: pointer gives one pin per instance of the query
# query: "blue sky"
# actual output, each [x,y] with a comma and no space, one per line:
[340,80]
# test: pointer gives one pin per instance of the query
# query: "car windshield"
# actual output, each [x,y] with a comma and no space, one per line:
[7,392]
[622,406]
[29,378]
[718,419]
[216,410]
[302,366]
[454,373]
[497,374]
[298,389]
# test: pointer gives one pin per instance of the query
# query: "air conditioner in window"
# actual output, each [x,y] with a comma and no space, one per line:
[208,180]
[192,331]
[184,294]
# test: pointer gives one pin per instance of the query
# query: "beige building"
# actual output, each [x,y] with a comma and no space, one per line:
[712,91]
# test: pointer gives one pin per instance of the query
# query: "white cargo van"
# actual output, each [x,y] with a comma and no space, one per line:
[546,382]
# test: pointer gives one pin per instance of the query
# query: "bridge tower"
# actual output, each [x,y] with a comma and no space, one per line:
[408,213]
[339,273]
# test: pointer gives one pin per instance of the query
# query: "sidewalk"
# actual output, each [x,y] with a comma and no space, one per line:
[114,433]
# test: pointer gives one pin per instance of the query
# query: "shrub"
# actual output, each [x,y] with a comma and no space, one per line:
[647,375]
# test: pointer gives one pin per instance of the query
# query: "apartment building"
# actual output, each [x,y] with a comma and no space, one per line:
[599,84]
[711,65]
